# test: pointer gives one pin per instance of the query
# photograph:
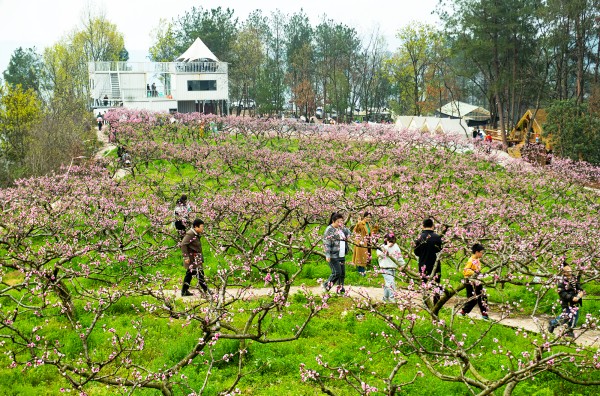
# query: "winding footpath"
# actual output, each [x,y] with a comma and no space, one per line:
[533,324]
[105,148]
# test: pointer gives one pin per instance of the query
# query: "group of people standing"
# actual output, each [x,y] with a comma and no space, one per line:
[337,238]
[427,246]
[336,242]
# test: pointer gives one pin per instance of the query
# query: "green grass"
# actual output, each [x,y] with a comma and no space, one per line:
[337,334]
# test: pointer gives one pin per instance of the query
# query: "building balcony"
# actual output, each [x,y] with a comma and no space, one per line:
[131,94]
[158,67]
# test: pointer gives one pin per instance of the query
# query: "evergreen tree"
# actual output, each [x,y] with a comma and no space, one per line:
[24,68]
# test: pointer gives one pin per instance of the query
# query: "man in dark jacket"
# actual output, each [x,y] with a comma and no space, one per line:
[193,260]
[570,293]
[427,247]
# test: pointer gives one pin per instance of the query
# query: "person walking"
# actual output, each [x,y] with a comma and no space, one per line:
[182,212]
[361,254]
[100,120]
[427,247]
[571,294]
[335,243]
[386,255]
[475,293]
[193,260]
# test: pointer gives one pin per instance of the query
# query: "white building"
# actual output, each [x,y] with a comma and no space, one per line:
[194,82]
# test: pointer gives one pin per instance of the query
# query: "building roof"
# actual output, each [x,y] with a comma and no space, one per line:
[465,111]
[197,52]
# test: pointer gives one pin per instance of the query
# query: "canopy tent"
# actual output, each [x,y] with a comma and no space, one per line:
[198,52]
[468,112]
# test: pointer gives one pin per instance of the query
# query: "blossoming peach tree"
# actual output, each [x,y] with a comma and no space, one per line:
[79,247]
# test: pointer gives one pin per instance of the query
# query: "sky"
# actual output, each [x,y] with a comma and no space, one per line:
[41,23]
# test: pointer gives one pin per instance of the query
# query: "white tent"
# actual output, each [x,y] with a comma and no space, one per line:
[465,111]
[430,124]
[423,124]
[198,52]
[454,126]
[418,123]
[404,121]
[448,126]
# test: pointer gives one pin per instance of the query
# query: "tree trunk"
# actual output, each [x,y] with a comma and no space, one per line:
[509,388]
[580,53]
[495,81]
[499,103]
[500,107]
[416,90]
[596,68]
[565,63]
[62,292]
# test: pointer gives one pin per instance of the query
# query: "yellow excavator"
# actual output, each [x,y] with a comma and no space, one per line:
[517,137]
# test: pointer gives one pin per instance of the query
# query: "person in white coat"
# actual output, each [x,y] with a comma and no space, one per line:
[389,257]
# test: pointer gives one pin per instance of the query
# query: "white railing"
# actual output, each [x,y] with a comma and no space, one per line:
[137,94]
[106,102]
[132,94]
[158,67]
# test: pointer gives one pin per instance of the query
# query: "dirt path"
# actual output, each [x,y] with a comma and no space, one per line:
[536,324]
[106,148]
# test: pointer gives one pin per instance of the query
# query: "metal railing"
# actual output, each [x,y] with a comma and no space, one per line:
[143,93]
[133,94]
[158,67]
[106,102]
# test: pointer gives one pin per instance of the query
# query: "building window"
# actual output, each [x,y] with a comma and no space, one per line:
[202,85]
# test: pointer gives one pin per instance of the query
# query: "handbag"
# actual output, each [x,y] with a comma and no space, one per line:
[468,272]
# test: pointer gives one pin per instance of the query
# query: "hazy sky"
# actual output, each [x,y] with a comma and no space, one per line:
[40,23]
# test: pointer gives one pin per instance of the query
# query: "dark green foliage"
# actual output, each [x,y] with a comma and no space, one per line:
[216,27]
[574,131]
[25,68]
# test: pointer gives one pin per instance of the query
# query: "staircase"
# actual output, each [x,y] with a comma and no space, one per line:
[115,86]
